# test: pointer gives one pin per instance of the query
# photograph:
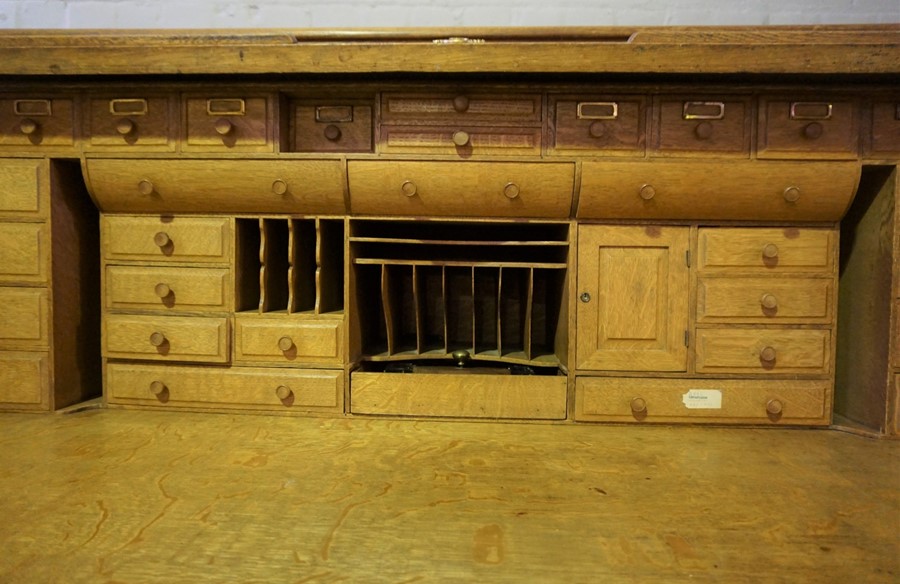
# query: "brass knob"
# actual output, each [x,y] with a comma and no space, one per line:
[157,339]
[774,407]
[585,297]
[638,405]
[279,187]
[409,188]
[284,392]
[597,129]
[460,356]
[703,131]
[162,239]
[145,187]
[767,355]
[285,343]
[813,130]
[511,190]
[125,126]
[647,192]
[223,126]
[28,126]
[769,301]
[460,138]
[770,250]
[162,290]
[332,133]
[158,388]
[791,194]
[461,103]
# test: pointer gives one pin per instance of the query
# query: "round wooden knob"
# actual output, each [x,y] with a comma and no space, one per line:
[638,405]
[285,343]
[647,192]
[703,131]
[460,138]
[767,354]
[162,239]
[125,126]
[511,190]
[409,188]
[279,187]
[158,388]
[461,103]
[28,126]
[157,339]
[774,406]
[597,129]
[223,127]
[768,301]
[145,187]
[812,130]
[284,392]
[332,133]
[770,250]
[162,290]
[791,194]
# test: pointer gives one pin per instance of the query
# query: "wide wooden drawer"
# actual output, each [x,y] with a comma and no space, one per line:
[29,122]
[766,249]
[465,189]
[338,126]
[709,123]
[24,252]
[884,132]
[531,397]
[166,338]
[167,239]
[165,288]
[244,388]
[763,351]
[288,339]
[607,125]
[718,401]
[236,123]
[225,186]
[25,321]
[140,122]
[462,141]
[765,299]
[462,107]
[697,189]
[808,127]
[21,192]
[24,380]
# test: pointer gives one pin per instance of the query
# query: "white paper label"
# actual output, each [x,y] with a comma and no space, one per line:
[703,399]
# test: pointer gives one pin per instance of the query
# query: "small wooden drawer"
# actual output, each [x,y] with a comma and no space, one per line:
[470,189]
[26,318]
[884,133]
[142,122]
[702,124]
[463,141]
[610,399]
[696,190]
[166,338]
[24,380]
[167,239]
[23,188]
[763,351]
[24,252]
[813,127]
[169,289]
[767,249]
[461,107]
[230,123]
[606,125]
[344,126]
[288,339]
[36,122]
[527,397]
[765,300]
[226,186]
[244,388]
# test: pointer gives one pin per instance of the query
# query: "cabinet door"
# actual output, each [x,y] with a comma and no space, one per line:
[633,298]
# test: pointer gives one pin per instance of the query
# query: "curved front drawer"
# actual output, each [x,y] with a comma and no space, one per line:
[166,338]
[461,189]
[227,186]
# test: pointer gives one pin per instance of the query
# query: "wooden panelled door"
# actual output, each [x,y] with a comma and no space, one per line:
[633,284]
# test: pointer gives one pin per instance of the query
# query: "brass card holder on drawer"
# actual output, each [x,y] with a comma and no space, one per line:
[128,107]
[809,110]
[331,114]
[598,110]
[703,110]
[32,107]
[226,107]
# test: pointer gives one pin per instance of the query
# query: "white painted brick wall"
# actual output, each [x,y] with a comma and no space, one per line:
[396,13]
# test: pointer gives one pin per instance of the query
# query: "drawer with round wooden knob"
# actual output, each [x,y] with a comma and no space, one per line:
[288,339]
[461,106]
[763,351]
[166,239]
[462,141]
[767,250]
[37,122]
[806,126]
[607,125]
[338,126]
[225,123]
[702,124]
[724,299]
[193,289]
[166,338]
[131,122]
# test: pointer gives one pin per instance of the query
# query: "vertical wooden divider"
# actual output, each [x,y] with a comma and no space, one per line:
[263,301]
[292,271]
[419,298]
[474,314]
[386,300]
[444,308]
[529,300]
[499,312]
[317,303]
